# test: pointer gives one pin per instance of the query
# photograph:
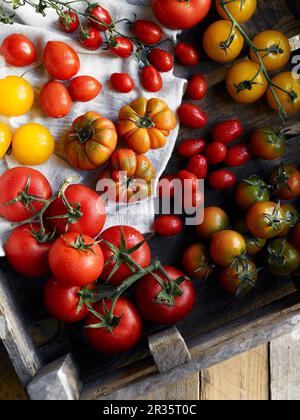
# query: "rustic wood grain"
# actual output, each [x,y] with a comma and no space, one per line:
[187,389]
[10,386]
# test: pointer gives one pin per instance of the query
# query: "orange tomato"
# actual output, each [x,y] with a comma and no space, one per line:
[290,100]
[240,10]
[226,247]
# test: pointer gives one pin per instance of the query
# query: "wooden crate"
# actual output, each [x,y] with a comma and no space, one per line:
[53,360]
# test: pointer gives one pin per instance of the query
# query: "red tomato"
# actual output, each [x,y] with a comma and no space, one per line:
[121,46]
[191,147]
[55,100]
[166,187]
[222,179]
[68,21]
[90,38]
[18,51]
[227,131]
[197,87]
[149,33]
[122,82]
[28,188]
[161,60]
[187,54]
[86,215]
[99,17]
[165,305]
[151,79]
[179,14]
[122,332]
[188,180]
[168,225]
[192,116]
[27,250]
[75,260]
[84,88]
[132,238]
[238,155]
[63,302]
[60,60]
[215,153]
[198,166]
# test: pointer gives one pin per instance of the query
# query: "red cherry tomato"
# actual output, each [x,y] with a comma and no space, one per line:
[188,180]
[198,166]
[122,82]
[191,147]
[238,155]
[197,87]
[168,225]
[151,79]
[187,54]
[18,51]
[60,60]
[121,46]
[215,153]
[99,17]
[223,179]
[55,100]
[161,60]
[90,38]
[227,131]
[84,88]
[68,21]
[192,116]
[166,188]
[149,33]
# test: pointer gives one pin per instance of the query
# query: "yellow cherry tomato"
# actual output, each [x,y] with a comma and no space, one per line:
[33,144]
[5,139]
[242,10]
[290,100]
[276,49]
[222,42]
[17,96]
[245,82]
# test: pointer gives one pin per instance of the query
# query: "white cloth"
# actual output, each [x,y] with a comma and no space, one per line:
[100,65]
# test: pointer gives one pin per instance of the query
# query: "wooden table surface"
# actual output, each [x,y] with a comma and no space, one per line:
[269,372]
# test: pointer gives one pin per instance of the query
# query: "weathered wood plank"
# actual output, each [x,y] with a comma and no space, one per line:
[243,378]
[285,367]
[10,386]
[187,389]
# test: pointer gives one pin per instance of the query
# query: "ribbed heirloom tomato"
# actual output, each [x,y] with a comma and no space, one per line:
[60,60]
[91,141]
[145,124]
[241,11]
[266,220]
[226,246]
[196,261]
[215,220]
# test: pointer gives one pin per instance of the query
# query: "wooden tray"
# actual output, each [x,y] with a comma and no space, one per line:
[53,360]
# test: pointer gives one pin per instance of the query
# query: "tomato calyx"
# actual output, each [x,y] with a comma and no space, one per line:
[277,256]
[245,276]
[246,85]
[275,220]
[80,244]
[170,288]
[282,179]
[259,184]
[41,236]
[273,49]
[84,133]
[67,18]
[108,320]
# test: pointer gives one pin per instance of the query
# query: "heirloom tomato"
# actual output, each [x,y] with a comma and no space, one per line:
[18,94]
[18,51]
[291,218]
[266,220]
[253,245]
[196,261]
[241,11]
[240,278]
[55,100]
[191,116]
[250,191]
[162,60]
[286,182]
[288,92]
[187,54]
[283,258]
[168,225]
[215,220]
[268,145]
[197,87]
[68,21]
[5,139]
[149,33]
[60,60]
[145,124]
[98,17]
[122,82]
[84,88]
[226,247]
[151,79]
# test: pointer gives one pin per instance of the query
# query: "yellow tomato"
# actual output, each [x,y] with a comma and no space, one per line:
[241,10]
[5,139]
[222,42]
[17,96]
[245,82]
[33,144]
[290,100]
[277,49]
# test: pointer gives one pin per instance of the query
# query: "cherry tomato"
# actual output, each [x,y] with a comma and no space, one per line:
[168,225]
[226,246]
[84,88]
[296,236]
[121,46]
[286,182]
[191,147]
[250,191]
[215,220]
[198,166]
[266,220]
[60,60]
[161,60]
[122,82]
[99,17]
[90,38]
[222,179]
[55,100]
[240,278]
[192,116]
[197,87]
[268,145]
[238,155]
[166,188]
[227,131]
[188,180]
[68,21]
[289,97]
[196,261]
[149,33]
[187,54]
[151,79]
[118,334]
[215,153]
[253,245]
[241,11]
[283,258]
[291,218]
[18,51]
[5,139]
